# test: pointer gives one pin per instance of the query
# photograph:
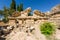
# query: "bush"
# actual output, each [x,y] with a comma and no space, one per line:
[47,28]
[5,20]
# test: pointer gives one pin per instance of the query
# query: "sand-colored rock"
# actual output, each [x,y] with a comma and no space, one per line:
[24,25]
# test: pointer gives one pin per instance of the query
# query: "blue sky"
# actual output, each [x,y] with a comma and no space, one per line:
[42,5]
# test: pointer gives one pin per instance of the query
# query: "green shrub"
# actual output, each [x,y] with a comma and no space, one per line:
[5,20]
[47,28]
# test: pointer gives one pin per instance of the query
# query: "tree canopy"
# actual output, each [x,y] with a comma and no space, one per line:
[9,11]
[13,5]
[5,14]
[20,7]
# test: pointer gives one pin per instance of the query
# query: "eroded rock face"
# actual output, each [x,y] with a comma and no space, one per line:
[27,10]
[20,36]
[57,35]
[56,8]
[25,33]
[37,12]
[28,26]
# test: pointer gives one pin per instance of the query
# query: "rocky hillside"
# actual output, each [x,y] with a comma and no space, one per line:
[26,33]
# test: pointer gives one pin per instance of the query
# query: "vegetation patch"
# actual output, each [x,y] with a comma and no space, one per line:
[5,20]
[47,28]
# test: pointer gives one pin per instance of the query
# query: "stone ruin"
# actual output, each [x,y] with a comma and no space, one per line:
[27,27]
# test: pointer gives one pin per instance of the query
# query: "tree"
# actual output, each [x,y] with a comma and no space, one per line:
[13,5]
[6,11]
[6,14]
[20,7]
[17,7]
[11,12]
[1,12]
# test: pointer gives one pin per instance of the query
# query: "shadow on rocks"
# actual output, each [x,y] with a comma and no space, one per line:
[2,38]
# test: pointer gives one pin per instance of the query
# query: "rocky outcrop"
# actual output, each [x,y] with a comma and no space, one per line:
[26,33]
[55,8]
[24,27]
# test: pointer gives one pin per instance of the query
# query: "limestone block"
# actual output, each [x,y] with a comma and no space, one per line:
[57,35]
[29,21]
[20,21]
[12,22]
[28,10]
[23,14]
[56,8]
